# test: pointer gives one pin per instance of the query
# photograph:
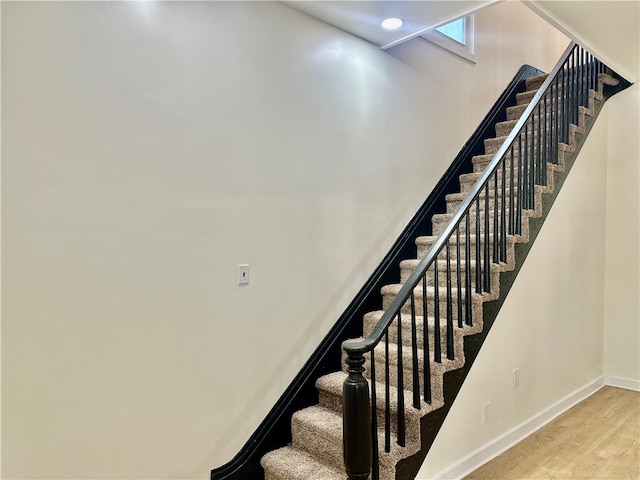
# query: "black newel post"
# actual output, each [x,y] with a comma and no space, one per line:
[356,420]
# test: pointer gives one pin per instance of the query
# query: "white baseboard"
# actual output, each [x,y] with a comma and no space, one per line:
[622,383]
[520,432]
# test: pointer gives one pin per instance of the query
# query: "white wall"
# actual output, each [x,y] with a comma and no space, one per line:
[622,288]
[149,148]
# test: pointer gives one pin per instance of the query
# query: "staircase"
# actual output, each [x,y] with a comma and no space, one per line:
[379,415]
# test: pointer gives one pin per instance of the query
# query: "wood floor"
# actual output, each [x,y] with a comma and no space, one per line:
[598,439]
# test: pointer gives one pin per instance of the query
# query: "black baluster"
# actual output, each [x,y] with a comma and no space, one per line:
[532,172]
[562,104]
[400,390]
[458,275]
[437,347]
[467,270]
[512,206]
[487,260]
[581,77]
[566,108]
[503,213]
[545,143]
[478,256]
[555,108]
[425,343]
[592,66]
[538,138]
[525,177]
[414,354]
[387,396]
[450,354]
[576,85]
[519,205]
[496,247]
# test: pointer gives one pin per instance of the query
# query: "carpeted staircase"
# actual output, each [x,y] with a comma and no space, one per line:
[316,451]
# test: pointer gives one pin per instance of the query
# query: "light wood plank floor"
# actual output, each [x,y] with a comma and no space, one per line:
[598,439]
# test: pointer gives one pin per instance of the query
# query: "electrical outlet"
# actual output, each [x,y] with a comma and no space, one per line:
[243,274]
[487,412]
[516,378]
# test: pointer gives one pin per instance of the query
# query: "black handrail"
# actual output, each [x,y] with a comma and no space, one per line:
[523,158]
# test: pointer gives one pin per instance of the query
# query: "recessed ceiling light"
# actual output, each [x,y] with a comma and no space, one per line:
[392,23]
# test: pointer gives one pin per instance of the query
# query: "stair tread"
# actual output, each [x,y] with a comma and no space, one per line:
[460,196]
[442,265]
[394,288]
[440,217]
[295,464]
[376,315]
[429,239]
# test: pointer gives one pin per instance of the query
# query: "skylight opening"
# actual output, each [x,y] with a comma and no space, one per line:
[457,37]
[455,30]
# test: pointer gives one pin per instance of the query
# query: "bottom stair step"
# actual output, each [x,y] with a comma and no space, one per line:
[289,463]
[318,431]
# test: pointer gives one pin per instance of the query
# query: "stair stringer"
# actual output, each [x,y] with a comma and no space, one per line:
[430,424]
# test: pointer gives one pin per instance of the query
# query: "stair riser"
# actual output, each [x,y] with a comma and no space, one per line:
[407,271]
[423,249]
[481,162]
[370,323]
[476,304]
[454,206]
[504,128]
[491,146]
[481,166]
[525,97]
[514,113]
[437,371]
[468,181]
[327,450]
[535,82]
[441,222]
[439,227]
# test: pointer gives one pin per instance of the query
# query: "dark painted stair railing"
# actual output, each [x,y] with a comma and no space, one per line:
[449,282]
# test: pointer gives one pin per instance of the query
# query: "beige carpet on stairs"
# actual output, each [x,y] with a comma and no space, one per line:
[316,449]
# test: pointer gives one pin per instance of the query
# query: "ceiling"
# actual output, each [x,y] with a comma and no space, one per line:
[362,18]
[607,28]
